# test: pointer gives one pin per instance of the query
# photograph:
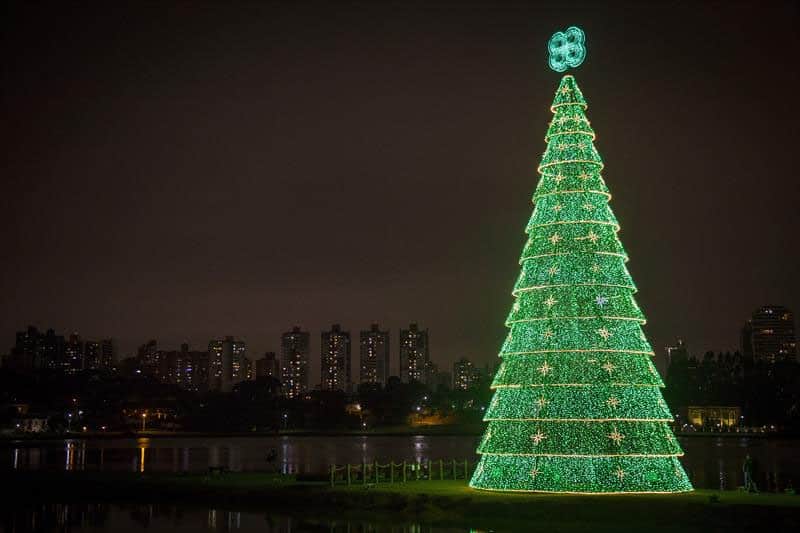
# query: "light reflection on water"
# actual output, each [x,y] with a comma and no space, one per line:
[172,519]
[711,462]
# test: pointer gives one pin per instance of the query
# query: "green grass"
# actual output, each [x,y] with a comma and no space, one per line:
[444,503]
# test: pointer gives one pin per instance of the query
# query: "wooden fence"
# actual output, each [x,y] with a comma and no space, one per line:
[368,473]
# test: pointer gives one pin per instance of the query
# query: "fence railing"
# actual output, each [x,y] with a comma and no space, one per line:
[374,472]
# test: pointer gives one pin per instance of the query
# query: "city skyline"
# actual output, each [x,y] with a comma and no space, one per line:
[374,360]
[181,190]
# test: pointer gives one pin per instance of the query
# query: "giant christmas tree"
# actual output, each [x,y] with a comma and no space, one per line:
[577,403]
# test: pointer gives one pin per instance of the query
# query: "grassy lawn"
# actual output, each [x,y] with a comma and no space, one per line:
[444,503]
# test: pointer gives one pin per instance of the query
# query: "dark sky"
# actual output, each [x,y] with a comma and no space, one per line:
[186,171]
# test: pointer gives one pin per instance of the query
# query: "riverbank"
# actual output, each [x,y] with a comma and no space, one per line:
[434,502]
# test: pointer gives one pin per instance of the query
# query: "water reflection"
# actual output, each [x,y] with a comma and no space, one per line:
[711,462]
[172,519]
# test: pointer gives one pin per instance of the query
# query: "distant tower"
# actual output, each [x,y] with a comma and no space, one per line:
[374,345]
[228,362]
[53,350]
[91,355]
[147,356]
[268,366]
[295,347]
[770,335]
[107,351]
[29,352]
[678,352]
[74,353]
[335,359]
[464,374]
[414,353]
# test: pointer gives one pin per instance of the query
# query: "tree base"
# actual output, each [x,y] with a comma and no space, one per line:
[581,475]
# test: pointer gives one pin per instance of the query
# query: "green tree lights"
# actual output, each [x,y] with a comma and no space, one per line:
[577,405]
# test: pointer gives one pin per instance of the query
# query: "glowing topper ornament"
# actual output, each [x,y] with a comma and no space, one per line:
[567,49]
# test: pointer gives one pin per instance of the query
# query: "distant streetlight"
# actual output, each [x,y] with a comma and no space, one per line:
[144,420]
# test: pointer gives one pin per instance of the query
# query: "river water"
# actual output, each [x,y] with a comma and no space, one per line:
[711,462]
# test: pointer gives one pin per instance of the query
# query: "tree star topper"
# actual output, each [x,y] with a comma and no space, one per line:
[567,49]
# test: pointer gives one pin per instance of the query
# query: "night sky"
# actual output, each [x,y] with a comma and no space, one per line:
[184,172]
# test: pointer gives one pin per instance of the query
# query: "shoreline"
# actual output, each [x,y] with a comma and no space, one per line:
[450,503]
[6,439]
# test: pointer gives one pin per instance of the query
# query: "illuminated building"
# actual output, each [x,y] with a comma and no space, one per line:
[107,350]
[714,416]
[27,352]
[91,355]
[148,357]
[414,354]
[228,365]
[53,350]
[769,335]
[295,347]
[185,368]
[465,374]
[335,359]
[73,354]
[33,351]
[268,366]
[374,345]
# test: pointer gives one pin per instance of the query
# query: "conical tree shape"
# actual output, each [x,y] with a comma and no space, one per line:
[577,405]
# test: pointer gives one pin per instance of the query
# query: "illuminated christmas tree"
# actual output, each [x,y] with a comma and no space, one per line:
[577,403]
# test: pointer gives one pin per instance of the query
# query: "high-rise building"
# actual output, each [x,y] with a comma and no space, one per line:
[430,373]
[185,368]
[27,353]
[199,380]
[228,363]
[679,352]
[335,359]
[148,358]
[374,355]
[268,366]
[107,352]
[465,374]
[73,352]
[295,346]
[53,350]
[414,353]
[770,335]
[246,372]
[91,355]
[34,350]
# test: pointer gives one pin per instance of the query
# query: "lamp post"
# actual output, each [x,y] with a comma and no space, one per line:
[144,420]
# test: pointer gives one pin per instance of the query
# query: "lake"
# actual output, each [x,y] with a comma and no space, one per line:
[711,462]
[174,519]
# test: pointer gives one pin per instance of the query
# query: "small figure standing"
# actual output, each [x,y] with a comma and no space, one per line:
[271,456]
[747,469]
